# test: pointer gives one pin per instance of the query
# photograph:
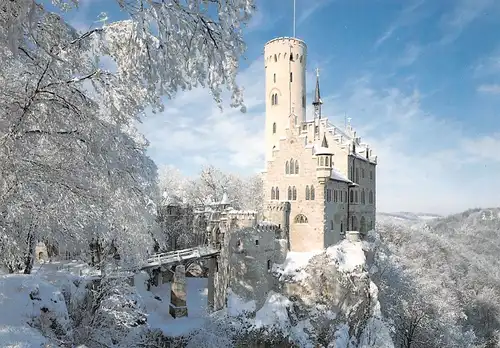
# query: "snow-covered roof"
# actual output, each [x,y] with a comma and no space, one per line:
[323,151]
[336,175]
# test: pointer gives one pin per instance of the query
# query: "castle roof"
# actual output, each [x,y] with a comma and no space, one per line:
[337,176]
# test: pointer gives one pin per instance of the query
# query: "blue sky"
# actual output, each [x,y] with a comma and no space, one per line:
[420,80]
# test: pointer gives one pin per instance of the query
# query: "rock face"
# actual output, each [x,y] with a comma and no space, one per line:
[334,281]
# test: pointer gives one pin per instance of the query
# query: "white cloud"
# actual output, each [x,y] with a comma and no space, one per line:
[407,17]
[312,7]
[489,89]
[425,163]
[192,130]
[463,14]
[410,55]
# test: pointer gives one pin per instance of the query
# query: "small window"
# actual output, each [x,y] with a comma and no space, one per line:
[275,58]
[289,193]
[312,193]
[274,128]
[287,167]
[296,167]
[356,196]
[321,161]
[275,99]
[363,173]
[256,242]
[351,198]
[274,78]
[308,193]
[331,225]
[294,193]
[345,196]
[291,77]
[327,161]
[268,265]
[292,166]
[277,193]
[357,174]
[371,174]
[273,193]
[291,57]
[300,219]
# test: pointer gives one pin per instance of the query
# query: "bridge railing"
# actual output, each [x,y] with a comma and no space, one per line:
[180,255]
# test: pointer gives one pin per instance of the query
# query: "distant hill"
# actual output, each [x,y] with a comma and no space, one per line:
[405,217]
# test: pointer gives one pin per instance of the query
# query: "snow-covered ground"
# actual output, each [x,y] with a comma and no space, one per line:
[157,306]
[24,298]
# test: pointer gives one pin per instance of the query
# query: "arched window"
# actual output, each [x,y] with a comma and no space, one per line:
[345,196]
[294,193]
[327,161]
[291,57]
[272,99]
[277,193]
[275,58]
[276,99]
[362,227]
[292,166]
[274,128]
[291,77]
[273,193]
[331,225]
[363,197]
[274,77]
[289,193]
[351,197]
[356,196]
[297,167]
[287,167]
[300,219]
[308,193]
[312,193]
[370,197]
[341,227]
[321,161]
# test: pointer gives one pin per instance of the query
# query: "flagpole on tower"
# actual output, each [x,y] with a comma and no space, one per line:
[293,18]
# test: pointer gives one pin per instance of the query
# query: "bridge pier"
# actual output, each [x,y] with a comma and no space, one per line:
[178,306]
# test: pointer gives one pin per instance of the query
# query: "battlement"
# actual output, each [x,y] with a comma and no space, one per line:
[286,39]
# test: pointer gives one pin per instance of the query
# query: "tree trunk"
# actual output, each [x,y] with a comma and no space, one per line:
[29,258]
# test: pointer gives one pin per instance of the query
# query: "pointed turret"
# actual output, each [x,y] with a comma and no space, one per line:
[317,98]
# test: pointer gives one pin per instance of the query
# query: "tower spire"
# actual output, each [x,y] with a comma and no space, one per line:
[317,98]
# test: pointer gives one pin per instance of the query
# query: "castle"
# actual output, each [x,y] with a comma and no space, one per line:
[319,185]
[326,173]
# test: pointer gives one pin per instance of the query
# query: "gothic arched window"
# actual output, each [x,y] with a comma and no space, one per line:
[363,201]
[289,193]
[276,99]
[292,166]
[300,219]
[356,196]
[308,193]
[277,193]
[274,128]
[370,197]
[351,198]
[274,78]
[287,167]
[312,193]
[296,166]
[294,193]
[273,193]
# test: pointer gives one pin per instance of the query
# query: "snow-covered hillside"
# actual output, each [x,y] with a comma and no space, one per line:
[405,218]
[441,279]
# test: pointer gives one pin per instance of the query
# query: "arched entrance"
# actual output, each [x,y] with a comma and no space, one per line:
[354,223]
[363,225]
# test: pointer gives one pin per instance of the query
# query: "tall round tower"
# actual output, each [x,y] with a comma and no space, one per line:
[285,62]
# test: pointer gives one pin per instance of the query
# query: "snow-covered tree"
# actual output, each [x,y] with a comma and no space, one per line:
[72,165]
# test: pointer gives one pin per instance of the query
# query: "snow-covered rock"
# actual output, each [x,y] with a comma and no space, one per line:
[31,312]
